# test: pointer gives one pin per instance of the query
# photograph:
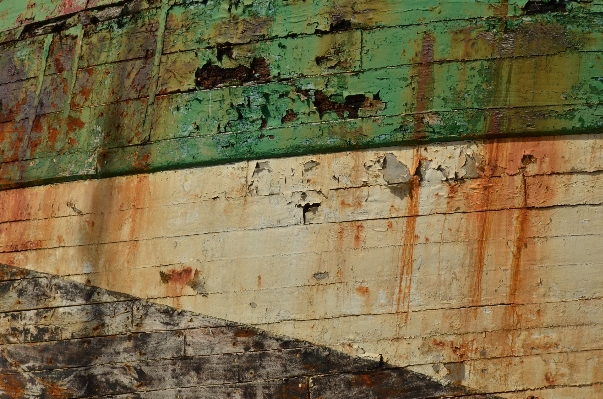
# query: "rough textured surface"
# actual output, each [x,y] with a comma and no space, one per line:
[475,263]
[99,87]
[472,262]
[157,352]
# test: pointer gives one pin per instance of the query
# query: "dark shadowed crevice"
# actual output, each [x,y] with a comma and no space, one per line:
[544,6]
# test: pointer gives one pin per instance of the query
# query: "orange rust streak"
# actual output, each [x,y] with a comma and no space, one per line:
[358,231]
[408,247]
[512,318]
[482,221]
[425,83]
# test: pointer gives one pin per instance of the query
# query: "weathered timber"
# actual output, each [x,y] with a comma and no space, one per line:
[183,360]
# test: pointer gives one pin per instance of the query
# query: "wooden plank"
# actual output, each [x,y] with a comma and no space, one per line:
[95,351]
[50,292]
[66,322]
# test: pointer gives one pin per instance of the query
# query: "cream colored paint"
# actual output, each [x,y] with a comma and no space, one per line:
[505,282]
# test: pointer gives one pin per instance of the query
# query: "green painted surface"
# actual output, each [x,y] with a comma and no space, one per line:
[121,88]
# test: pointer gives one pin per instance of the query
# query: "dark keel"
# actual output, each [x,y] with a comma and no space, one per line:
[61,339]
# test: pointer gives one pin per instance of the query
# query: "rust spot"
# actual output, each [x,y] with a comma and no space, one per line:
[259,282]
[177,277]
[549,378]
[245,333]
[74,124]
[11,386]
[210,76]
[142,159]
[362,290]
[290,116]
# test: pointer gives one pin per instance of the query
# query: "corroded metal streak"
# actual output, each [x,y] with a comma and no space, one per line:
[73,341]
[109,88]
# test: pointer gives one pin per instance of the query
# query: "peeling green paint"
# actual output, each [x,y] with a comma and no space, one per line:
[123,90]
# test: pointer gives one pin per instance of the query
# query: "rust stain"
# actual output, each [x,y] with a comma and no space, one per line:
[177,277]
[25,245]
[519,245]
[481,220]
[69,6]
[409,240]
[425,83]
[57,392]
[362,290]
[462,350]
[356,204]
[358,233]
[175,281]
[142,159]
[15,206]
[124,214]
[369,380]
[245,333]
[11,386]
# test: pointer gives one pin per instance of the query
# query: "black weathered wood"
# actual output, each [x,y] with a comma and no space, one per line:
[291,388]
[395,383]
[238,339]
[95,351]
[46,292]
[52,324]
[153,317]
[8,273]
[203,370]
[81,341]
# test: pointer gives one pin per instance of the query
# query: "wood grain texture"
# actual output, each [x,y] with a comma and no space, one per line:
[179,359]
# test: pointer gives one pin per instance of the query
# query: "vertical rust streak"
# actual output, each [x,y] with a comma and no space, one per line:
[483,222]
[512,316]
[408,245]
[519,244]
[425,83]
